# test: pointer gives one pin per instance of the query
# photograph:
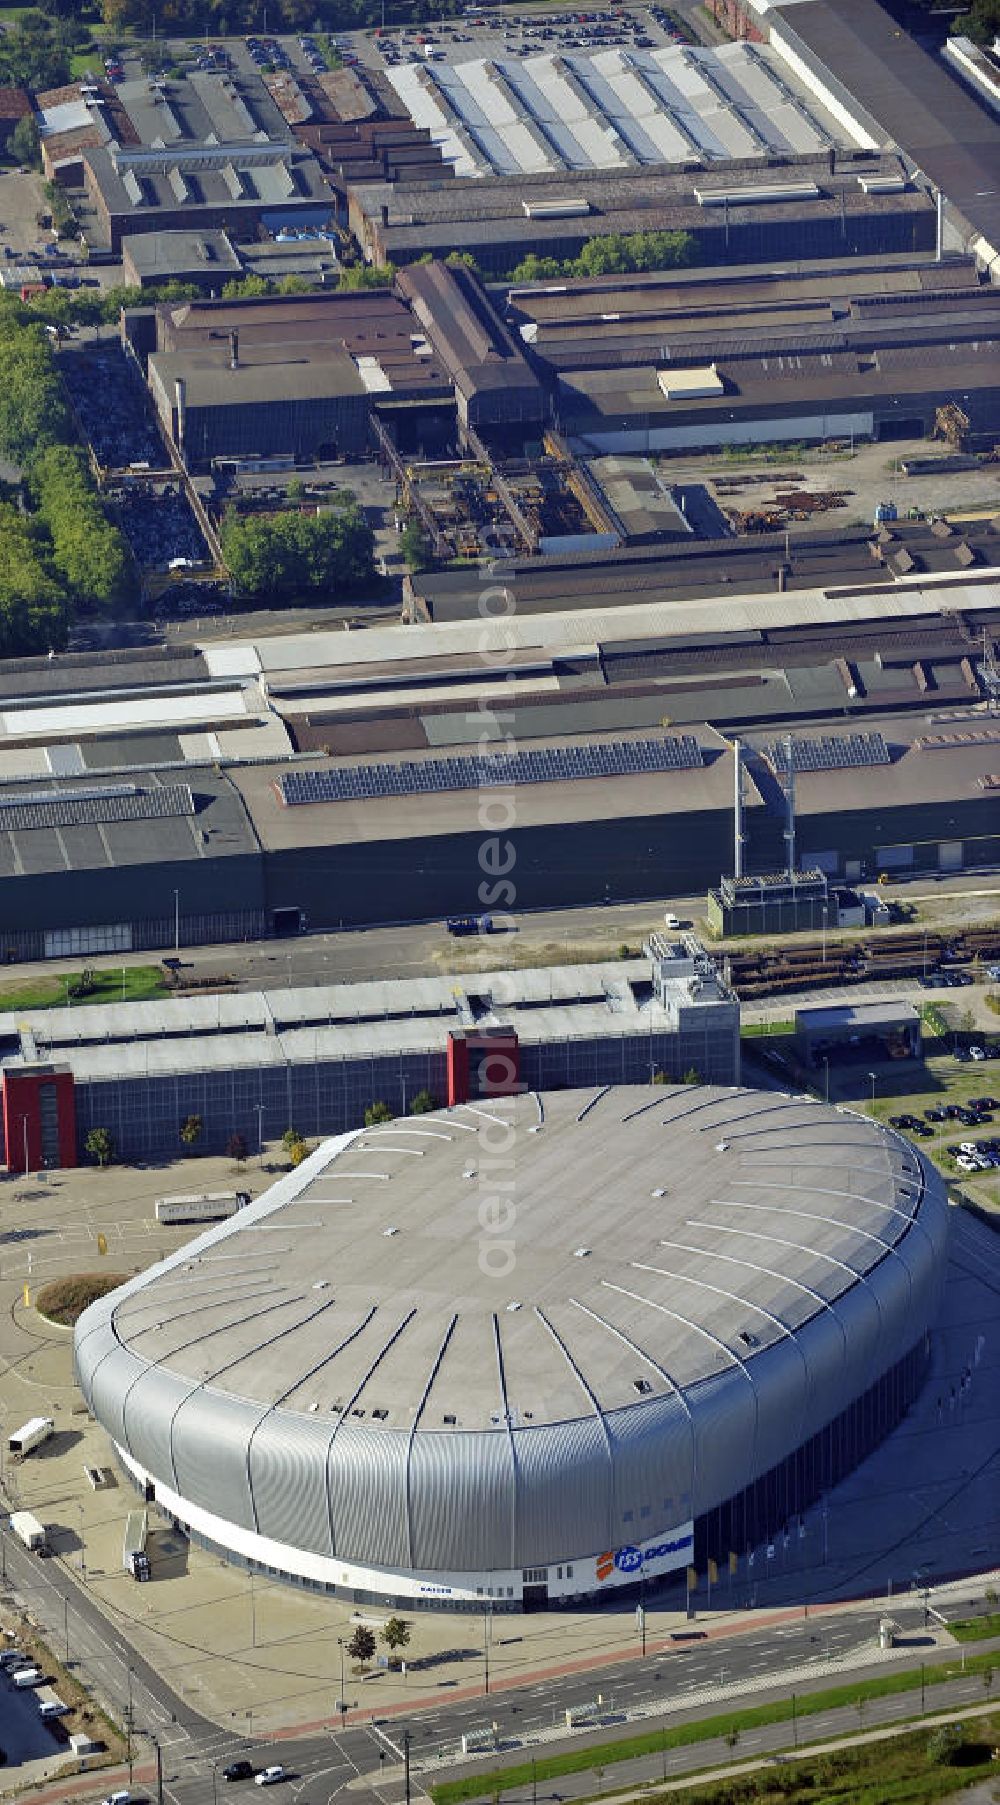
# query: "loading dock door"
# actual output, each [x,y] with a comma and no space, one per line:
[285,922]
[535,1598]
[950,855]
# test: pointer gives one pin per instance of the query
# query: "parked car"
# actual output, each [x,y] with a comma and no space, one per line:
[238,1770]
[269,1776]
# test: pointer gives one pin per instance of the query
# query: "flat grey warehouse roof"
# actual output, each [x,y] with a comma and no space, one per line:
[104,820]
[856,1015]
[662,1240]
[283,1028]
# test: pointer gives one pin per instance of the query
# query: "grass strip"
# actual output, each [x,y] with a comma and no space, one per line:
[131,984]
[916,1769]
[976,1629]
[705,1729]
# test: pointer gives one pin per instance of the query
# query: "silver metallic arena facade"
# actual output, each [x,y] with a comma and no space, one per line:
[533,1348]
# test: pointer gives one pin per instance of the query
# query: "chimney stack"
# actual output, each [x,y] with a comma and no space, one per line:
[738,809]
[790,805]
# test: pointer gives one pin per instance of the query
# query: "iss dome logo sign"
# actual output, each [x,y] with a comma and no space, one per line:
[632,1560]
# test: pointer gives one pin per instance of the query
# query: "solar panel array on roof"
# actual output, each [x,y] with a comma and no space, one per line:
[63,809]
[829,752]
[555,764]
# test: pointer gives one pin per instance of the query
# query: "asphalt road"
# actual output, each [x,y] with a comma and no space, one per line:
[424,948]
[366,1758]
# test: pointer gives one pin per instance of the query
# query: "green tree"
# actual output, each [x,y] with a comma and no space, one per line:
[35,52]
[32,412]
[395,1633]
[34,614]
[361,1647]
[87,550]
[63,217]
[367,275]
[423,1103]
[692,1075]
[981,23]
[283,556]
[100,1145]
[25,144]
[414,547]
[376,1113]
[246,288]
[191,1131]
[944,1745]
[536,269]
[236,1150]
[295,1145]
[616,254]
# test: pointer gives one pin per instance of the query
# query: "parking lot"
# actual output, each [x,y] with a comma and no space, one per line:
[512,32]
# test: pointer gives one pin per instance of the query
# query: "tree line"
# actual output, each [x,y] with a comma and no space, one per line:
[222,18]
[58,550]
[617,254]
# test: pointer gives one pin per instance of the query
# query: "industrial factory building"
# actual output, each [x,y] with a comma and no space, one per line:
[415,1395]
[297,376]
[710,357]
[308,782]
[745,211]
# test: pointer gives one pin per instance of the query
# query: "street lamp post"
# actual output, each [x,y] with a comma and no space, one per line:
[177,921]
[341,1702]
[260,1134]
[872,1076]
[128,1727]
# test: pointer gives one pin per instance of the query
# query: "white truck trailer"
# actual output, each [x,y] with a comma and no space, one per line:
[206,1206]
[31,1435]
[29,1531]
[135,1560]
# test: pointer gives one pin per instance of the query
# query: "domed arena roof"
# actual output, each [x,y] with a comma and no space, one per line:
[496,1336]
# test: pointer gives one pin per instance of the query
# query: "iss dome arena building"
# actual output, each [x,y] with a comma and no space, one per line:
[533,1347]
